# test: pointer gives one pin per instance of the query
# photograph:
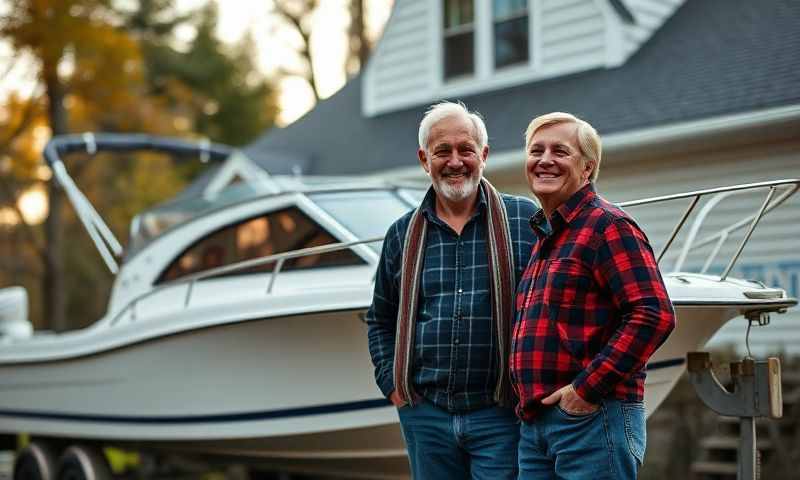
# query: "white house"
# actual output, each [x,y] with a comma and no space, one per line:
[686,95]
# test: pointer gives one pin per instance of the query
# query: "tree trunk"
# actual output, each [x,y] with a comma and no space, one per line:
[359,47]
[53,295]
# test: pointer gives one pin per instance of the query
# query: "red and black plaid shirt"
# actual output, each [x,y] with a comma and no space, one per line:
[591,307]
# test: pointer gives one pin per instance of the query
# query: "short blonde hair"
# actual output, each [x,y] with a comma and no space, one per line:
[588,139]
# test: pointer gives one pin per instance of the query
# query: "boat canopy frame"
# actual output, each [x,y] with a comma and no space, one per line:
[104,240]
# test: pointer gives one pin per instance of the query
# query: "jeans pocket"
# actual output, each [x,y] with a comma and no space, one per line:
[634,416]
[576,416]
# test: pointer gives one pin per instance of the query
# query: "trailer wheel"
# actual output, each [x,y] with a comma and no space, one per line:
[35,462]
[81,462]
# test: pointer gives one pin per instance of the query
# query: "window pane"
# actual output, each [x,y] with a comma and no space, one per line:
[458,12]
[511,42]
[281,231]
[458,55]
[504,8]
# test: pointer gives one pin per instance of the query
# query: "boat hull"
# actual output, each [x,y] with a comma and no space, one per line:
[175,393]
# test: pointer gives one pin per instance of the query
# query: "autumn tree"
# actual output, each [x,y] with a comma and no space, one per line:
[70,41]
[21,243]
[214,88]
[95,70]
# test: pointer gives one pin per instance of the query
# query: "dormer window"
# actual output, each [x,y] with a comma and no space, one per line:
[435,49]
[459,38]
[510,32]
[480,37]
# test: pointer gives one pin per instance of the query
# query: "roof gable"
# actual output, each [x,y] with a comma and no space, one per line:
[560,37]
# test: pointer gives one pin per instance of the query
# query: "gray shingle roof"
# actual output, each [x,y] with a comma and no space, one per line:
[713,57]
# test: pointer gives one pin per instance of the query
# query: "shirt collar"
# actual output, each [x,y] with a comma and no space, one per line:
[428,204]
[565,213]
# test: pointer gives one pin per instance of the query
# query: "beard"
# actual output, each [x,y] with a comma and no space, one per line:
[457,193]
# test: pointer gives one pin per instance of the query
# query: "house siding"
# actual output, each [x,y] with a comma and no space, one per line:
[399,70]
[649,15]
[572,32]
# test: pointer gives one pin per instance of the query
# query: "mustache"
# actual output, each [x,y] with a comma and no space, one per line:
[451,171]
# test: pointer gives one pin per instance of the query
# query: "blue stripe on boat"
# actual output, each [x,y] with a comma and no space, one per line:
[240,417]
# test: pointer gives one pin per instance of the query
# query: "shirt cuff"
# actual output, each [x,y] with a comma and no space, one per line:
[386,384]
[585,391]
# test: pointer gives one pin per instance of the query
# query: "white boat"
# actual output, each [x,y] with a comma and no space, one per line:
[235,329]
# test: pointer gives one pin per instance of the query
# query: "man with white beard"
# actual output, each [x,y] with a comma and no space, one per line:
[439,325]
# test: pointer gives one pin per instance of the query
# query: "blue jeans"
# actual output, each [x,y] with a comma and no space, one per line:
[481,444]
[606,444]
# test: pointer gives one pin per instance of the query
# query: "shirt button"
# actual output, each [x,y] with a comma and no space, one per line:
[460,291]
[456,341]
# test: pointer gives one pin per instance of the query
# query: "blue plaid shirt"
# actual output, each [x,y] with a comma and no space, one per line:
[455,351]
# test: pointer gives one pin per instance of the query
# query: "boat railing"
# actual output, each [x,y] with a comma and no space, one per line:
[788,188]
[783,188]
[278,259]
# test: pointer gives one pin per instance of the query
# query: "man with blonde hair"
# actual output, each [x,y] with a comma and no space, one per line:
[440,321]
[591,310]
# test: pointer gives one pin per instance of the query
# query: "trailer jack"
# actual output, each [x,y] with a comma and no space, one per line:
[756,393]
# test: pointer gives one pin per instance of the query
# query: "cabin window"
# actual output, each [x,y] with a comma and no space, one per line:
[510,32]
[282,231]
[459,38]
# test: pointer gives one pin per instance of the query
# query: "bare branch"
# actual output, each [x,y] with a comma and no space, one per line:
[297,18]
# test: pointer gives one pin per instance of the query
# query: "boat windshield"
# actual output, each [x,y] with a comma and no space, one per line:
[150,224]
[368,213]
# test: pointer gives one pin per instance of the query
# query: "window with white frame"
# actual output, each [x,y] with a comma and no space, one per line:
[459,38]
[510,24]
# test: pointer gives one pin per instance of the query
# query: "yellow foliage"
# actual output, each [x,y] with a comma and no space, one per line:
[22,131]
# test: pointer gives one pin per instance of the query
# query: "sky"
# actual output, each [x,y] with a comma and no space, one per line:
[273,41]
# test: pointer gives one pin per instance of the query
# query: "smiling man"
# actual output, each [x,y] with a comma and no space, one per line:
[591,310]
[439,325]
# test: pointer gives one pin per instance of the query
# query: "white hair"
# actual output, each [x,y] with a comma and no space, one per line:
[442,110]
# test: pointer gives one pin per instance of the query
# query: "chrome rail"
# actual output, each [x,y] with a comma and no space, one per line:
[790,186]
[278,259]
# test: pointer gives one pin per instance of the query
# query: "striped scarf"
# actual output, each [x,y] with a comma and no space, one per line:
[501,277]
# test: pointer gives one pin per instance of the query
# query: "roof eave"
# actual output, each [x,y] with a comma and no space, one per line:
[773,123]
